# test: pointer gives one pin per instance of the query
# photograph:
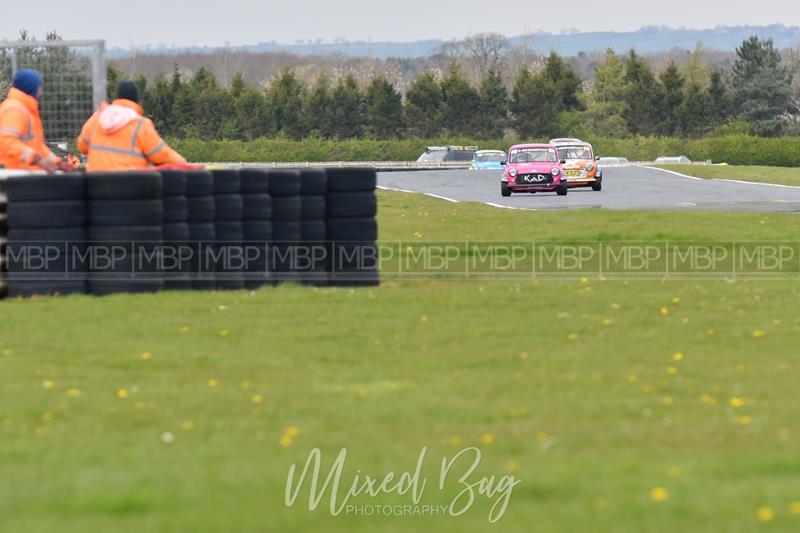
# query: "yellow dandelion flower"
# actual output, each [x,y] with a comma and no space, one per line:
[664,311]
[292,431]
[776,321]
[512,467]
[671,370]
[122,394]
[423,319]
[286,441]
[523,355]
[607,321]
[677,356]
[633,378]
[676,301]
[224,333]
[711,332]
[659,494]
[186,329]
[487,438]
[667,400]
[258,399]
[7,353]
[363,393]
[454,440]
[188,425]
[47,417]
[245,385]
[146,356]
[615,306]
[684,321]
[758,333]
[48,384]
[73,392]
[708,400]
[765,514]
[794,508]
[584,281]
[744,420]
[212,383]
[572,337]
[737,402]
[542,436]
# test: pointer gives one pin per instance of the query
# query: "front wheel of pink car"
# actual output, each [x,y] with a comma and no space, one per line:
[562,190]
[505,190]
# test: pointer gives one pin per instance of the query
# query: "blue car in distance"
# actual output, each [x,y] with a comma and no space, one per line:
[489,160]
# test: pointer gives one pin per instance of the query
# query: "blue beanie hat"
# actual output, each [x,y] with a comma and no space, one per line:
[28,81]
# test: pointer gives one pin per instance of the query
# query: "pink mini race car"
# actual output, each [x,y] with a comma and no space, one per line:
[533,168]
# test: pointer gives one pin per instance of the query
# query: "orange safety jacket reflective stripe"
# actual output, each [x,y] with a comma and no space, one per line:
[131,144]
[21,132]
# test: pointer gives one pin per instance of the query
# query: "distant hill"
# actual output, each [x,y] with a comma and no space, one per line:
[648,39]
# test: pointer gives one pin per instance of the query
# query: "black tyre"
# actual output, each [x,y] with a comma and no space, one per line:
[126,212]
[352,229]
[174,182]
[124,186]
[286,231]
[284,182]
[352,204]
[254,181]
[256,232]
[313,181]
[351,179]
[202,232]
[99,287]
[562,190]
[226,181]
[46,214]
[354,256]
[43,188]
[597,186]
[355,279]
[26,289]
[286,208]
[228,207]
[313,230]
[175,233]
[313,207]
[177,283]
[505,190]
[199,183]
[256,206]
[228,232]
[47,235]
[138,236]
[200,209]
[176,209]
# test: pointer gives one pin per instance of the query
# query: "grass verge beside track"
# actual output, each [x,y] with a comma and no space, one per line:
[574,387]
[756,174]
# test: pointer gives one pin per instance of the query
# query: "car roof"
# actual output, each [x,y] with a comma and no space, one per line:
[569,140]
[518,146]
[490,152]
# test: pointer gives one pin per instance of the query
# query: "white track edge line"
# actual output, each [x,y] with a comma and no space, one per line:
[726,179]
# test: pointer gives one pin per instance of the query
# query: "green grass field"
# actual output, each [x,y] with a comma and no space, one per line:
[759,174]
[184,411]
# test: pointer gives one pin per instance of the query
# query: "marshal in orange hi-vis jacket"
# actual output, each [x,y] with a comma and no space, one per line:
[118,137]
[22,145]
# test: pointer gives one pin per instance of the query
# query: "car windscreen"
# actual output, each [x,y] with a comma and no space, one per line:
[575,152]
[533,155]
[459,155]
[490,158]
[436,156]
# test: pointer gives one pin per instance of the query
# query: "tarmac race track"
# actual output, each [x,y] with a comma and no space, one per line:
[630,187]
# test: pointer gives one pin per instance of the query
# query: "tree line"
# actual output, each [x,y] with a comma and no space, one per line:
[625,98]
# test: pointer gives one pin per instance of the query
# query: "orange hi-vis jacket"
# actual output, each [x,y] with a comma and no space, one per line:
[21,133]
[118,137]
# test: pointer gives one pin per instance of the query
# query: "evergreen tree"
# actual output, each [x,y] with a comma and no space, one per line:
[318,111]
[535,106]
[762,86]
[693,112]
[607,100]
[719,100]
[670,100]
[250,110]
[461,103]
[566,82]
[493,106]
[641,97]
[285,104]
[384,109]
[424,102]
[347,106]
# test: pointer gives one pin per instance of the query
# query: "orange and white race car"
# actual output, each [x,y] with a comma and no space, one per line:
[581,168]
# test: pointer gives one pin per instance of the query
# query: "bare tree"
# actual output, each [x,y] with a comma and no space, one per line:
[487,51]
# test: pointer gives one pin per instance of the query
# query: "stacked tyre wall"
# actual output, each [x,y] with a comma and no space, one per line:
[224,229]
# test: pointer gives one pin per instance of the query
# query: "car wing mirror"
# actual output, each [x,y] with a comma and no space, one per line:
[563,161]
[503,163]
[597,158]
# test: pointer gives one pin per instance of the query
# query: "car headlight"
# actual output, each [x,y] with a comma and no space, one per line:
[555,171]
[512,172]
[590,167]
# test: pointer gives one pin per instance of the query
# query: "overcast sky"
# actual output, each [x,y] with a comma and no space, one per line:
[203,22]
